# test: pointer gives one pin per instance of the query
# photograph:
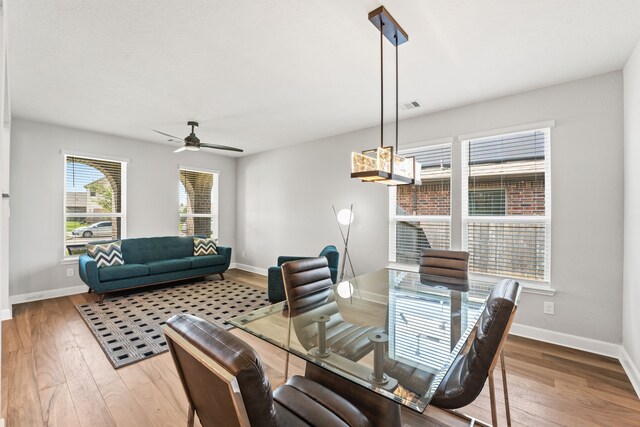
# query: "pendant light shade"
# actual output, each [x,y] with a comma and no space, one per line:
[383,164]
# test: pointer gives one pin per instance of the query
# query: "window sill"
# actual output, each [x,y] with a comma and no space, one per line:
[527,286]
[70,260]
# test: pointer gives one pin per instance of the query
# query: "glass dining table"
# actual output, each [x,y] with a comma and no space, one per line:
[393,332]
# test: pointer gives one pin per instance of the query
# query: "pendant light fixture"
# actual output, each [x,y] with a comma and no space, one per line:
[383,164]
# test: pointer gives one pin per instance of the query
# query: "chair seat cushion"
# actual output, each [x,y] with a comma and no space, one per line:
[206,260]
[124,271]
[304,402]
[168,265]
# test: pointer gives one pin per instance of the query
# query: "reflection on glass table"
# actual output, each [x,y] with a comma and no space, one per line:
[393,332]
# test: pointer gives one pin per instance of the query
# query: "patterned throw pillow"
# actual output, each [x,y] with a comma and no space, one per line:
[204,247]
[106,254]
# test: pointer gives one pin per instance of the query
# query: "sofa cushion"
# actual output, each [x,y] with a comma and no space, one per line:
[144,250]
[124,271]
[168,265]
[206,260]
[106,254]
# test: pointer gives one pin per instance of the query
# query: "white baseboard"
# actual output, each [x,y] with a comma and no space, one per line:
[6,315]
[249,268]
[631,369]
[567,340]
[54,293]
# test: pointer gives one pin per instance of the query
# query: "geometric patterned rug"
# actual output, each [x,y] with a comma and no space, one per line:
[129,327]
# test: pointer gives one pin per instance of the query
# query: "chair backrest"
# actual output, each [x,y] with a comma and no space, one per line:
[493,328]
[221,375]
[445,263]
[307,283]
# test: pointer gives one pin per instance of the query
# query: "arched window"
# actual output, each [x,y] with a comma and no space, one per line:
[94,208]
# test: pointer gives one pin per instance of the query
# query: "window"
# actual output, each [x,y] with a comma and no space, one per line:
[94,202]
[504,219]
[420,215]
[198,204]
[506,205]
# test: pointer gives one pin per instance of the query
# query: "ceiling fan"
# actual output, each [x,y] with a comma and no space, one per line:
[192,142]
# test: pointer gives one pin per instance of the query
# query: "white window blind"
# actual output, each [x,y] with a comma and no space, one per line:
[420,215]
[198,204]
[94,202]
[506,206]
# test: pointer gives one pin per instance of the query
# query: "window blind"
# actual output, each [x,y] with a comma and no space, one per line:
[94,202]
[420,327]
[420,215]
[198,204]
[506,204]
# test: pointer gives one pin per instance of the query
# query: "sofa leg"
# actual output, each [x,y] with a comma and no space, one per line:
[221,276]
[101,298]
[89,291]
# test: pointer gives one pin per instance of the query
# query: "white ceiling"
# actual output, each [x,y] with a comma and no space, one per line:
[265,74]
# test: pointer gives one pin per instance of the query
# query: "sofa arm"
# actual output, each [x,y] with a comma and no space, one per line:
[226,253]
[88,269]
[275,285]
[284,258]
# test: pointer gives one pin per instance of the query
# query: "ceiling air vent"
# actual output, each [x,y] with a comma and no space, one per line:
[410,105]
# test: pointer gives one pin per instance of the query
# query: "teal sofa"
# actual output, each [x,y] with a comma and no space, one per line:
[152,260]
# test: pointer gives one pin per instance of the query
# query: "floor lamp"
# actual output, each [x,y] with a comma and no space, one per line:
[345,218]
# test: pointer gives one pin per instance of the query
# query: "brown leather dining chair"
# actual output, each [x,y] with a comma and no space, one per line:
[466,378]
[309,293]
[225,383]
[308,288]
[453,264]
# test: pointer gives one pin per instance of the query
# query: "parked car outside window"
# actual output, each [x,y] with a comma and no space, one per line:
[99,229]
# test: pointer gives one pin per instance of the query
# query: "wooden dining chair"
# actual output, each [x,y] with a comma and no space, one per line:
[466,378]
[225,384]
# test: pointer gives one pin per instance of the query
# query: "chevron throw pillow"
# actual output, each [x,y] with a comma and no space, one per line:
[106,254]
[204,247]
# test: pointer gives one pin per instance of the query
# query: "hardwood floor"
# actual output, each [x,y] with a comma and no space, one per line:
[54,373]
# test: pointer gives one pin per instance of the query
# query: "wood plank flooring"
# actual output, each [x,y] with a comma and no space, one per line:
[55,374]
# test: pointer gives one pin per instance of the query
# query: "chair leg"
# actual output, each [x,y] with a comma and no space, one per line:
[492,397]
[286,358]
[504,386]
[190,417]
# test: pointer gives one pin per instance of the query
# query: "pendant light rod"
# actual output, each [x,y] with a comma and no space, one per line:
[381,86]
[396,43]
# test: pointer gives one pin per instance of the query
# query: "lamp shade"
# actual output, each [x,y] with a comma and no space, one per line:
[345,216]
[345,289]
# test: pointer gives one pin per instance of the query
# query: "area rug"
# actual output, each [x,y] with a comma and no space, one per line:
[129,327]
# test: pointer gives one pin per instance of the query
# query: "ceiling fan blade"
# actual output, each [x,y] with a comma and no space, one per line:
[222,147]
[180,149]
[170,136]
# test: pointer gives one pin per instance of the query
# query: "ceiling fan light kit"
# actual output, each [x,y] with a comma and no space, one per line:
[383,164]
[192,142]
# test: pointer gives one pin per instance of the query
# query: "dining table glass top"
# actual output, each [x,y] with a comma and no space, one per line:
[394,332]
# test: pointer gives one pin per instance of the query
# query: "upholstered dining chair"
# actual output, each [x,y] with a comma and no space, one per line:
[466,378]
[225,383]
[308,288]
[275,289]
[452,264]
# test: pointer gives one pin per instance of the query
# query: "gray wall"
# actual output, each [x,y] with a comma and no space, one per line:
[631,290]
[285,196]
[37,181]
